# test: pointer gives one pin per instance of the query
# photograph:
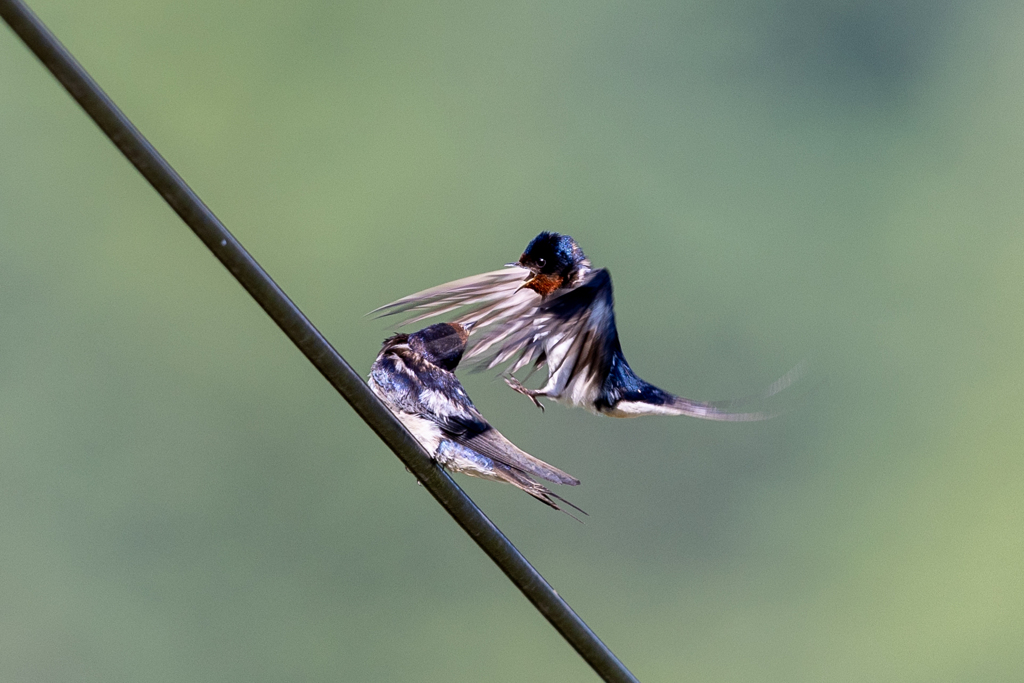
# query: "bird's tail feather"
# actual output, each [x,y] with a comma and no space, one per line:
[540,492]
[748,408]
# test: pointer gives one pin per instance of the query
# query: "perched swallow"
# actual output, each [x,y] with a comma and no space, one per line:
[552,308]
[414,376]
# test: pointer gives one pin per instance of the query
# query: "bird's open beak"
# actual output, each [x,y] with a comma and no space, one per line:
[527,281]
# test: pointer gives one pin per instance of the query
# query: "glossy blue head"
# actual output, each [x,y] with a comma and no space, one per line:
[552,258]
[441,344]
[552,254]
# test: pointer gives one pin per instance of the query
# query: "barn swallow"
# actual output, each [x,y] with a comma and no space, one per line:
[414,376]
[552,308]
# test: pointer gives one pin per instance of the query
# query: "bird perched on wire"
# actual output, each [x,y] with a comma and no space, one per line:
[551,308]
[414,376]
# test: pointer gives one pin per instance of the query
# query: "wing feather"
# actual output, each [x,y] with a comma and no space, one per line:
[473,432]
[574,328]
[487,298]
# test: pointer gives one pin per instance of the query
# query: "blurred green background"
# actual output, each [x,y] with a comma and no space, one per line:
[182,498]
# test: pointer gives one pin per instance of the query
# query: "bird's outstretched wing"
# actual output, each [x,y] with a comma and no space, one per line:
[481,300]
[572,332]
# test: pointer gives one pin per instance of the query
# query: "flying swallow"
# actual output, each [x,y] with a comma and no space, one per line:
[414,376]
[551,308]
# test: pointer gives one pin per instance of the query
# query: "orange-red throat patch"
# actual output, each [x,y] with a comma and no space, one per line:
[544,284]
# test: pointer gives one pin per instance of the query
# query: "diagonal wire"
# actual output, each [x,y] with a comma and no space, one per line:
[313,345]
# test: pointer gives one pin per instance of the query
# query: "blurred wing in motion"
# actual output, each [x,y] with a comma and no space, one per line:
[576,325]
[484,299]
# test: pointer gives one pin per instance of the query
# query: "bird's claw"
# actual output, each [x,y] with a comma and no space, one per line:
[518,386]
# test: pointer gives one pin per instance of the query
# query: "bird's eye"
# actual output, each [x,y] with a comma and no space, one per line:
[541,263]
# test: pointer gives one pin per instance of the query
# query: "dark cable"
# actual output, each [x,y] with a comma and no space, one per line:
[300,330]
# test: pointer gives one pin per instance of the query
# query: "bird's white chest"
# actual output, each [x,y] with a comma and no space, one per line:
[425,431]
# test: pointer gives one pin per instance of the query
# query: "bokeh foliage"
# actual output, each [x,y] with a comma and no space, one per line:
[183,498]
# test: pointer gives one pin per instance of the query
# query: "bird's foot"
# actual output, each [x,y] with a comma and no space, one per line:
[518,386]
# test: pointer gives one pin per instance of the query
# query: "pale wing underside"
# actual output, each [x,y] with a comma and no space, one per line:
[494,305]
[484,299]
[571,333]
